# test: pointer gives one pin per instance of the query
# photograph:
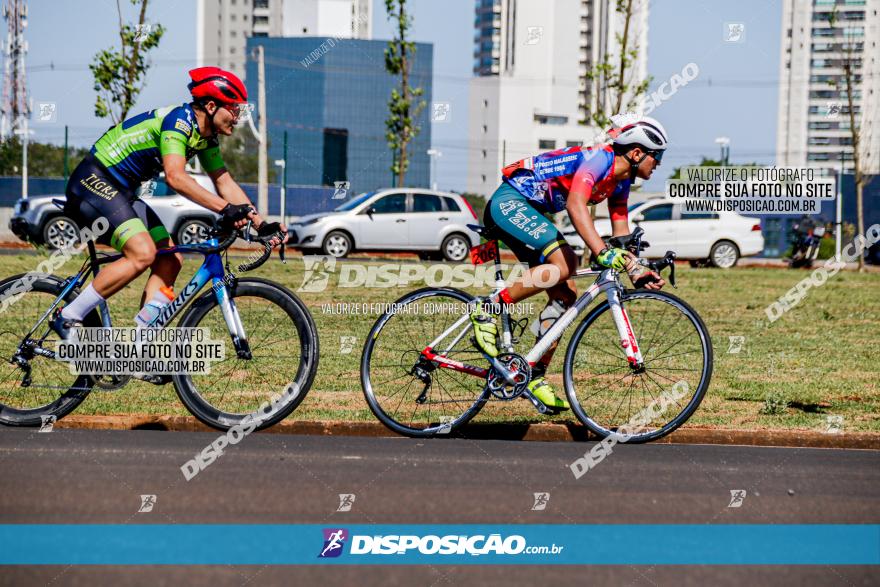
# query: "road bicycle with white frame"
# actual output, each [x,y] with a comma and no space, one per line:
[422,375]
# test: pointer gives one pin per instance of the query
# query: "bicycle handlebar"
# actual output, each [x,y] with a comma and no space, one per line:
[246,235]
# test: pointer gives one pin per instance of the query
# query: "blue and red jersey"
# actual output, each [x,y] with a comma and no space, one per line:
[547,179]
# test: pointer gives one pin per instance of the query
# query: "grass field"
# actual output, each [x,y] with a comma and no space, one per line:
[819,359]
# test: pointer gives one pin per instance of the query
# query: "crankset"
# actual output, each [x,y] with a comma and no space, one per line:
[110,382]
[522,375]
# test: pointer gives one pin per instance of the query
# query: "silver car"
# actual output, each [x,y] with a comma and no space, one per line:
[432,224]
[40,221]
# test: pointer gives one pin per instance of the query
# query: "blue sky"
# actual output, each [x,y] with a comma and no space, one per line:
[735,94]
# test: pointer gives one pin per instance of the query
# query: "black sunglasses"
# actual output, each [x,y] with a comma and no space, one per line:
[657,155]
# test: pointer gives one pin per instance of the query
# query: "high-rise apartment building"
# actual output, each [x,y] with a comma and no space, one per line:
[813,120]
[531,92]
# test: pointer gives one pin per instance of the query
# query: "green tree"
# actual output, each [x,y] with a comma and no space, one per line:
[44,159]
[240,156]
[612,79]
[404,106]
[120,73]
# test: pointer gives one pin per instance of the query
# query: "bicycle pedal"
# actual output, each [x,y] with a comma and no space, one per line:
[155,379]
[539,405]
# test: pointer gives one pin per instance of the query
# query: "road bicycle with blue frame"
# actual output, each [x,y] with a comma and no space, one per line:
[271,353]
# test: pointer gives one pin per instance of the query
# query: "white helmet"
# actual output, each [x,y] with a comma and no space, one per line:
[644,132]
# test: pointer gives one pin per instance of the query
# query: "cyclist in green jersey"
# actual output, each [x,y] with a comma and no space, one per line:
[104,185]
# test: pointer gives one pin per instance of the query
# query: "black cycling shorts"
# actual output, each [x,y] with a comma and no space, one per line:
[92,193]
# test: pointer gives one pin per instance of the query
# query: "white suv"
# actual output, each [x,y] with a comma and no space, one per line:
[719,238]
[432,224]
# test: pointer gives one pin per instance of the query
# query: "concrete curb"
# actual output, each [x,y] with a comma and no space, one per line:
[547,432]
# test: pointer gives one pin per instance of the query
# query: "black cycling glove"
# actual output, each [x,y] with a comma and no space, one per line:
[232,213]
[269,228]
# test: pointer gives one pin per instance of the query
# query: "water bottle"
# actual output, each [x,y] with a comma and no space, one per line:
[154,306]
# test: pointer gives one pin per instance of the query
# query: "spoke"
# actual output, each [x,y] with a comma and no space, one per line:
[675,355]
[656,328]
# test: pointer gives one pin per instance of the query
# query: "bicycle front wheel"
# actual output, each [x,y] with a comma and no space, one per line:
[609,396]
[270,383]
[409,393]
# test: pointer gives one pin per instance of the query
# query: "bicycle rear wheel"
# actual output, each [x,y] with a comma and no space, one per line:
[274,380]
[608,396]
[408,393]
[51,391]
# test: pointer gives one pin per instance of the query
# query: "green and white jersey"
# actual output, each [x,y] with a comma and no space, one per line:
[132,150]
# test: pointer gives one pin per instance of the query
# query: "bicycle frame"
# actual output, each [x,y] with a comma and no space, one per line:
[211,270]
[607,282]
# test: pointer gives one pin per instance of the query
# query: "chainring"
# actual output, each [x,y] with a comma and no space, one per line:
[110,382]
[499,386]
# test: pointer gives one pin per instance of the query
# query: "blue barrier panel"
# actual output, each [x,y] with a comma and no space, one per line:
[481,544]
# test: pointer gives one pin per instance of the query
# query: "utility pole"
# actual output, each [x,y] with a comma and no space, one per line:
[24,131]
[263,170]
[15,106]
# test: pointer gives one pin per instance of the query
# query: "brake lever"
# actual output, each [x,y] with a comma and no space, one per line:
[281,253]
[670,256]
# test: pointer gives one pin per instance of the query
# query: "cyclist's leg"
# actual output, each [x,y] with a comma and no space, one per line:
[165,268]
[533,239]
[93,193]
[561,297]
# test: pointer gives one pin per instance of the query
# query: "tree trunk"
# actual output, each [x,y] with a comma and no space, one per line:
[132,68]
[404,86]
[860,217]
[623,46]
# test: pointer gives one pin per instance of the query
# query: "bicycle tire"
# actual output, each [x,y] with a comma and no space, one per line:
[697,395]
[79,389]
[432,429]
[306,370]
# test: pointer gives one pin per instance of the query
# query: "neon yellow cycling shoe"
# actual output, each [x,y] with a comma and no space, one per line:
[541,389]
[485,331]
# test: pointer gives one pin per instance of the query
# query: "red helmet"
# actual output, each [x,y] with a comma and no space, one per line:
[213,83]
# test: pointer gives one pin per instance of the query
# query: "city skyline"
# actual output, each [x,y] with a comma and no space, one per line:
[731,73]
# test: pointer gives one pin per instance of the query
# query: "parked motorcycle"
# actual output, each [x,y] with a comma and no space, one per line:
[806,237]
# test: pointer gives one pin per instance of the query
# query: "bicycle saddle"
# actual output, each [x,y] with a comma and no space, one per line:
[484,231]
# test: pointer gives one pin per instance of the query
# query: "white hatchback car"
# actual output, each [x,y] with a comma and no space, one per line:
[717,238]
[432,224]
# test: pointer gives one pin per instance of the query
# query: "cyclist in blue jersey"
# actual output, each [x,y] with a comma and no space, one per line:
[567,179]
[104,185]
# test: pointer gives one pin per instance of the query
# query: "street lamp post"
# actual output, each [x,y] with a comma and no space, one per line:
[434,154]
[282,165]
[725,149]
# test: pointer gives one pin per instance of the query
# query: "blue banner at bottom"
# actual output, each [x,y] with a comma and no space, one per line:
[411,544]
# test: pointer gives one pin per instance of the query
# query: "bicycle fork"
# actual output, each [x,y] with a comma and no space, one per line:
[624,329]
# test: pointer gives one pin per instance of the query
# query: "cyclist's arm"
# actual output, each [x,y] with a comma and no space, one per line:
[230,191]
[619,213]
[576,206]
[181,182]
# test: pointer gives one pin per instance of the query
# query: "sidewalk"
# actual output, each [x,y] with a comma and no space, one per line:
[544,432]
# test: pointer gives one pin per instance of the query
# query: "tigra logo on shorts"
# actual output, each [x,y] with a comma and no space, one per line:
[98,186]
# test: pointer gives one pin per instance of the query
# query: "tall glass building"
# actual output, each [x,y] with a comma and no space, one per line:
[331,96]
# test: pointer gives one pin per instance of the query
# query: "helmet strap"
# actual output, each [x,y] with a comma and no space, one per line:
[209,116]
[633,165]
